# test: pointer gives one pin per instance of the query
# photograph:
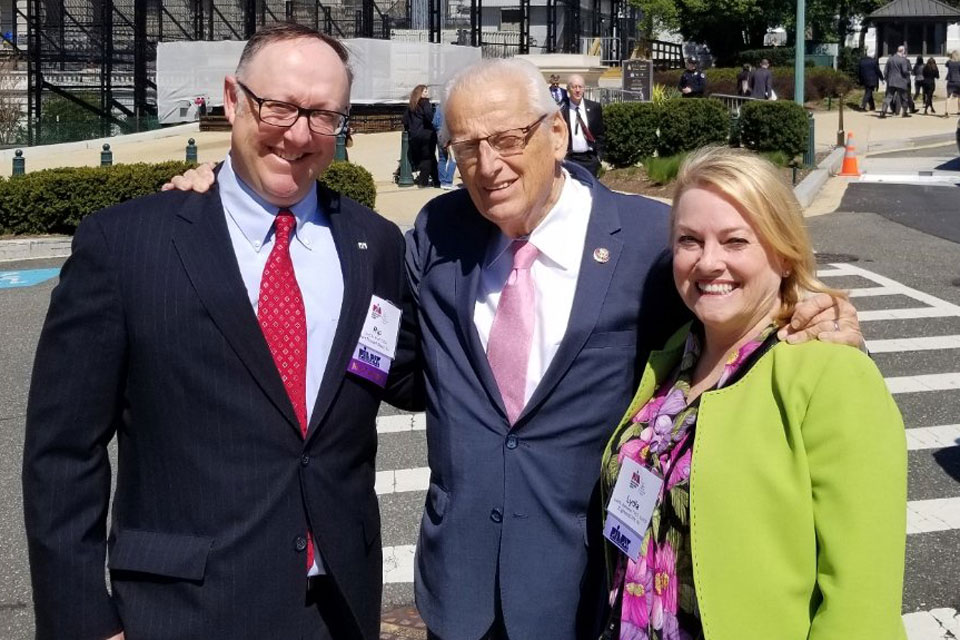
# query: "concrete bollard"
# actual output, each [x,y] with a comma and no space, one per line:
[405,177]
[341,150]
[191,150]
[106,156]
[810,155]
[19,163]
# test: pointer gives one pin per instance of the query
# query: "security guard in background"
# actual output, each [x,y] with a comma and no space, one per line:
[692,83]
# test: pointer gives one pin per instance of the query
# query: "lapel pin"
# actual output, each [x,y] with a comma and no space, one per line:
[361,245]
[601,255]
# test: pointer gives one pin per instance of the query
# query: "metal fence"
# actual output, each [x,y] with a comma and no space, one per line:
[607,95]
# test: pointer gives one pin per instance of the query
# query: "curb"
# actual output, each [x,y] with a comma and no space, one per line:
[889,146]
[809,187]
[34,248]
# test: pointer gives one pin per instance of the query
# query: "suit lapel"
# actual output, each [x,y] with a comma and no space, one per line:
[357,290]
[592,285]
[203,244]
[466,284]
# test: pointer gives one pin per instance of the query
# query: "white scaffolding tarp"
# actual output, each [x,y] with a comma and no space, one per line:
[385,71]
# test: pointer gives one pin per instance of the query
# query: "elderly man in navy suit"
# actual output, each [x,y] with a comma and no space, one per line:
[226,340]
[540,294]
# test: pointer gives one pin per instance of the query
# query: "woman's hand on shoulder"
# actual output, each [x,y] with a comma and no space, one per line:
[199,179]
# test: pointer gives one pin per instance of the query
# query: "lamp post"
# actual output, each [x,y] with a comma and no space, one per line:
[799,51]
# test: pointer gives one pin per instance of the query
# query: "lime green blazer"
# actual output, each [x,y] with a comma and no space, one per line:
[798,496]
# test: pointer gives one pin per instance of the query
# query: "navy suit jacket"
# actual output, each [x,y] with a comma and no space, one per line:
[151,337]
[511,504]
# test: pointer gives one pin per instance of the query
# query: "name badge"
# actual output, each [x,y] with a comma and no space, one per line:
[377,347]
[631,507]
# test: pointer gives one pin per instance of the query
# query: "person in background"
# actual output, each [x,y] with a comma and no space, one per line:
[931,73]
[584,126]
[743,79]
[917,78]
[761,82]
[897,73]
[558,93]
[953,82]
[446,163]
[869,76]
[693,82]
[776,475]
[418,121]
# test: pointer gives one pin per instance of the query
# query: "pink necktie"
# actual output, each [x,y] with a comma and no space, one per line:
[508,348]
[283,320]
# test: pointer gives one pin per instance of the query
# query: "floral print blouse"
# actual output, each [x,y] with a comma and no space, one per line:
[654,597]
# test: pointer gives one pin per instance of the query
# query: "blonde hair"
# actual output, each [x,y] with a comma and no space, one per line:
[753,185]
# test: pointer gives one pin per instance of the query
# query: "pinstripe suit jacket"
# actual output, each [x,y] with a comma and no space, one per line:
[150,336]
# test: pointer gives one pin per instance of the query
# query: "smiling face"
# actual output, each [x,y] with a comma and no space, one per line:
[516,192]
[281,163]
[723,271]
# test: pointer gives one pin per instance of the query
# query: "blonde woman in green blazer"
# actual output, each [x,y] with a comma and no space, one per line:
[779,470]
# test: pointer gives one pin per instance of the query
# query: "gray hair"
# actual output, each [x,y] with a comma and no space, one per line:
[901,50]
[538,96]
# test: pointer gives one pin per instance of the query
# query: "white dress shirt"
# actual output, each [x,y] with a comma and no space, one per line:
[578,142]
[560,238]
[315,262]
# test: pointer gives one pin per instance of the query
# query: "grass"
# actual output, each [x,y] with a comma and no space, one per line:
[663,170]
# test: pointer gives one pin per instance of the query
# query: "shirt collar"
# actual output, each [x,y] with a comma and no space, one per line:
[550,236]
[254,216]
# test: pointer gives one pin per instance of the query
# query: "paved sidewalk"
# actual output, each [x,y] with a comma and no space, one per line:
[871,131]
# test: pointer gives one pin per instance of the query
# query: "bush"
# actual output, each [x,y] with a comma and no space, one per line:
[774,126]
[819,82]
[778,56]
[690,123]
[56,200]
[631,132]
[351,180]
[663,170]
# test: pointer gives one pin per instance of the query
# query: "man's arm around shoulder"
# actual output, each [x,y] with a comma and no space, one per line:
[74,405]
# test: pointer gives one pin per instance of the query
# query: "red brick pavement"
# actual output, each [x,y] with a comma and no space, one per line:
[402,624]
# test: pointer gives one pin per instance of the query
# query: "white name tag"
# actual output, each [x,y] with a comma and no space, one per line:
[631,507]
[374,353]
[381,327]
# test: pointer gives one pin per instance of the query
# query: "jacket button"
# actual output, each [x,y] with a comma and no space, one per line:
[300,543]
[511,442]
[496,515]
[304,460]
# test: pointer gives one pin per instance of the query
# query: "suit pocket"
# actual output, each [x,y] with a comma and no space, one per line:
[611,339]
[163,554]
[437,500]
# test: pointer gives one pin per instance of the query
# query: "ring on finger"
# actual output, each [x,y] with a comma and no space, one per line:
[836,326]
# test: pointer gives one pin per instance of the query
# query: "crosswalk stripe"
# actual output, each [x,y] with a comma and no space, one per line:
[913,313]
[845,269]
[402,480]
[936,624]
[940,514]
[401,423]
[874,291]
[940,437]
[927,343]
[929,382]
[398,563]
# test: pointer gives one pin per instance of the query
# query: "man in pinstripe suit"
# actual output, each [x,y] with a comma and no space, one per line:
[244,504]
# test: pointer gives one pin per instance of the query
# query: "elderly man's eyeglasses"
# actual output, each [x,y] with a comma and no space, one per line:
[285,114]
[507,143]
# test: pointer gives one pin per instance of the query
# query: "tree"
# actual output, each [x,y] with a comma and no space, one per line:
[11,109]
[658,16]
[730,26]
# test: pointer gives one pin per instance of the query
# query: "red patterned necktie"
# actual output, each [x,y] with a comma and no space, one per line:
[283,321]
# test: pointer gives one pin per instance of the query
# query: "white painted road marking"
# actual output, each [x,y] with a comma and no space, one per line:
[929,382]
[940,437]
[927,343]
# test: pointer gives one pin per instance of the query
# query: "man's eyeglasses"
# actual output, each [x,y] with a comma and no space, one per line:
[285,114]
[507,143]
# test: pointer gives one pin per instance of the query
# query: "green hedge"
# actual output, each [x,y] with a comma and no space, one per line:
[818,82]
[774,126]
[353,181]
[631,132]
[690,123]
[56,200]
[778,56]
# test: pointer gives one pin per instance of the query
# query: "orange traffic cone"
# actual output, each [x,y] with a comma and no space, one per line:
[850,168]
